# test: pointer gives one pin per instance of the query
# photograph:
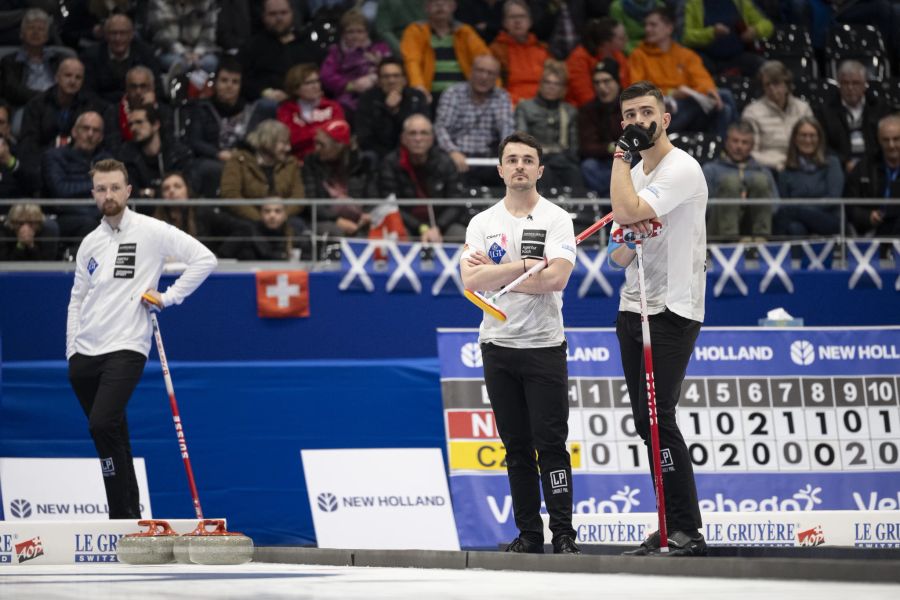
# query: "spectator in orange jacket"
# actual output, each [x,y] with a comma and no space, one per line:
[307,109]
[691,95]
[603,38]
[520,53]
[433,68]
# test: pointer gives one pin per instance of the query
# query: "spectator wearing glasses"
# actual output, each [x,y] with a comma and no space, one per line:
[850,117]
[419,169]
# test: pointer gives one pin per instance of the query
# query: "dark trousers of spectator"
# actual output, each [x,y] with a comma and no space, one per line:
[597,173]
[104,385]
[562,177]
[672,340]
[528,389]
[800,221]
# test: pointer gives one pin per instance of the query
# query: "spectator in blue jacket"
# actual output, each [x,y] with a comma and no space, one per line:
[809,172]
[67,175]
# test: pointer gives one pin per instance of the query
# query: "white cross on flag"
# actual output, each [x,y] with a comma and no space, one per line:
[281,294]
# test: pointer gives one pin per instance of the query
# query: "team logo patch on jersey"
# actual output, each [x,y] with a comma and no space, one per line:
[92,266]
[496,252]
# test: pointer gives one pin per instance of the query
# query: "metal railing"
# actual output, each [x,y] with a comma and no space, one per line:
[586,210]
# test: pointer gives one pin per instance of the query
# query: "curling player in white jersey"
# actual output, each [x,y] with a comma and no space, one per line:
[668,186]
[525,368]
[108,327]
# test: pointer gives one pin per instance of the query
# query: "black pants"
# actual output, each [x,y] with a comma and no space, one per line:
[672,340]
[528,389]
[104,385]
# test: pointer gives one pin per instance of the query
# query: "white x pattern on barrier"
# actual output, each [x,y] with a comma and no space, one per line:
[729,269]
[864,263]
[774,268]
[449,270]
[593,273]
[817,260]
[404,266]
[357,266]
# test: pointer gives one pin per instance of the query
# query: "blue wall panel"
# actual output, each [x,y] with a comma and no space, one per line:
[219,322]
[245,425]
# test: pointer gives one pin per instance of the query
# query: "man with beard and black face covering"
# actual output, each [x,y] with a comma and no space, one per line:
[150,154]
[108,326]
[666,185]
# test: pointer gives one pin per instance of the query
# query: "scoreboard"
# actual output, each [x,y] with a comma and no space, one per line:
[769,416]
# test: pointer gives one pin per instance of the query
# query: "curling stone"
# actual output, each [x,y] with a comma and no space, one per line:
[151,547]
[213,547]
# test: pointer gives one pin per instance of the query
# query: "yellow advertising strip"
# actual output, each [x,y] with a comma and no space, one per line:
[491,456]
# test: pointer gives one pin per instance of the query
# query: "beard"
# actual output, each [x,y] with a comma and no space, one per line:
[112,209]
[659,131]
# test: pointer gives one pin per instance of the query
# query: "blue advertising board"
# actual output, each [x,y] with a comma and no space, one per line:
[775,419]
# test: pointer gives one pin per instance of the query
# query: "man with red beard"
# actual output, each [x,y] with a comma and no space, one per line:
[108,327]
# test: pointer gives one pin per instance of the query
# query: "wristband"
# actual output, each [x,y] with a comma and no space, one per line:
[524,267]
[624,155]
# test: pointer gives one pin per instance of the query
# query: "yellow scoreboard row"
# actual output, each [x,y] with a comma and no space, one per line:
[491,456]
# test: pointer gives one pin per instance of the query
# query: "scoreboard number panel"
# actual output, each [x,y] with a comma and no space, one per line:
[730,424]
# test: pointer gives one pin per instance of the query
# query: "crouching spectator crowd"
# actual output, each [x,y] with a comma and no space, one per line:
[358,103]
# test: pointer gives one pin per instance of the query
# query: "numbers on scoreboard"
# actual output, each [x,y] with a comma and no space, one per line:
[749,423]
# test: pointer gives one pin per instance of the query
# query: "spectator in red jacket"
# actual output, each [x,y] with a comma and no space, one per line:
[307,109]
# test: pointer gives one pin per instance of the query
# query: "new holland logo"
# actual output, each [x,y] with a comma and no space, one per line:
[327,502]
[470,355]
[20,509]
[803,353]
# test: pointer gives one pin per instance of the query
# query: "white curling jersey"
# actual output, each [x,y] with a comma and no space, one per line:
[674,261]
[114,267]
[533,320]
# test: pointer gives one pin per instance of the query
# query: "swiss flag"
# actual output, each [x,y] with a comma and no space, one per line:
[282,294]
